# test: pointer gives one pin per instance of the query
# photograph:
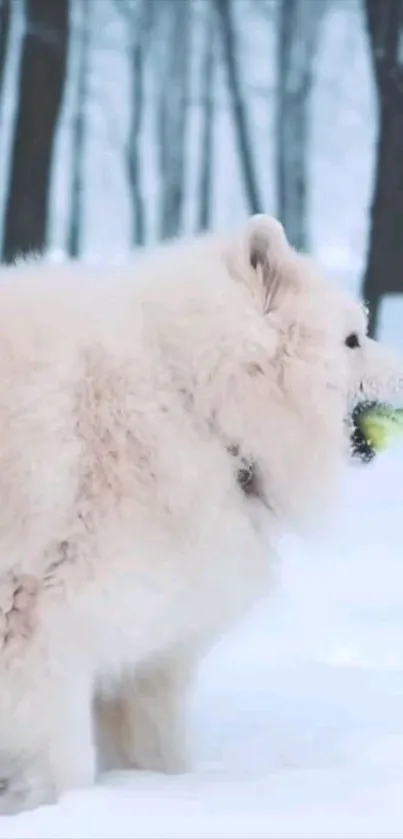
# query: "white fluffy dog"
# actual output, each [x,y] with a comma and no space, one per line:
[159,426]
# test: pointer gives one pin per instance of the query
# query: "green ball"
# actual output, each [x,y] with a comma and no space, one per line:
[380,425]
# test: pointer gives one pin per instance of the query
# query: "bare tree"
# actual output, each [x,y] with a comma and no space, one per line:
[297,35]
[384,271]
[172,115]
[41,86]
[207,103]
[5,10]
[140,24]
[243,135]
[79,131]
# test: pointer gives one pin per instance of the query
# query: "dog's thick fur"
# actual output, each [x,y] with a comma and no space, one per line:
[130,401]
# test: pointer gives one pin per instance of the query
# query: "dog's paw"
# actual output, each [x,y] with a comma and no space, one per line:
[172,761]
[163,764]
[23,788]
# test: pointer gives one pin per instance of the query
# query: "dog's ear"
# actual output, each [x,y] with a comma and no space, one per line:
[262,256]
[265,241]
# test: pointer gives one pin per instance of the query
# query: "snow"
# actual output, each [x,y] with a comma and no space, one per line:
[297,716]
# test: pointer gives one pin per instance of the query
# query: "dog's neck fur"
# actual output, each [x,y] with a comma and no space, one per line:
[247,473]
[247,476]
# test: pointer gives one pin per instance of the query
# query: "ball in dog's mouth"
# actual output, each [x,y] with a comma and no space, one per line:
[362,448]
[373,427]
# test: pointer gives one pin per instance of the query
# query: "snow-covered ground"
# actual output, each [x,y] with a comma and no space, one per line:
[298,715]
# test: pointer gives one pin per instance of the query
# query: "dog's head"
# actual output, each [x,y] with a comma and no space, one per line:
[322,365]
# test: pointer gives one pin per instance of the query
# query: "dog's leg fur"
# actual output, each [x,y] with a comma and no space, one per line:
[45,732]
[144,725]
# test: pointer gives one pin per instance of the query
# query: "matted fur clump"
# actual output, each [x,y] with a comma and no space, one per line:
[160,424]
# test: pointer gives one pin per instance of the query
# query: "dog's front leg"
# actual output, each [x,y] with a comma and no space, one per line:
[144,724]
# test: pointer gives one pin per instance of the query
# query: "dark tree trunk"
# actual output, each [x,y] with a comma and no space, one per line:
[5,11]
[173,117]
[207,103]
[297,35]
[384,271]
[141,25]
[41,86]
[79,132]
[238,107]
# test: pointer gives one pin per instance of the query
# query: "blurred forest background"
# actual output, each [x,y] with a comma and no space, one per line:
[125,122]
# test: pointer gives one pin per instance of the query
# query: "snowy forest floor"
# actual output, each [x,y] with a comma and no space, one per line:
[297,716]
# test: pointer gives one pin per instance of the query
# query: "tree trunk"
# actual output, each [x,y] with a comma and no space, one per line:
[384,271]
[207,103]
[5,10]
[173,112]
[138,47]
[238,107]
[79,131]
[41,85]
[297,37]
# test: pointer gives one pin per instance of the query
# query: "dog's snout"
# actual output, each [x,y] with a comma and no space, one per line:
[382,376]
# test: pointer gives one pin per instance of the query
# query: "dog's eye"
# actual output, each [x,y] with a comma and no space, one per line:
[352,341]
